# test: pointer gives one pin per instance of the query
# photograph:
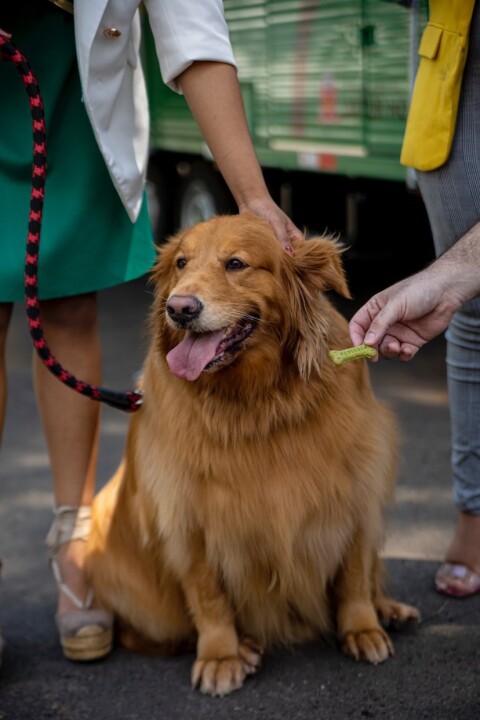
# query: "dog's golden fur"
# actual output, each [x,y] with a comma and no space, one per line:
[248,510]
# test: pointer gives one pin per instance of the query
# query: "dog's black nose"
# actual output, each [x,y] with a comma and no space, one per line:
[183,308]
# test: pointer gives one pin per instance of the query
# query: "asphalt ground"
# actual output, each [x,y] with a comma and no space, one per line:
[434,673]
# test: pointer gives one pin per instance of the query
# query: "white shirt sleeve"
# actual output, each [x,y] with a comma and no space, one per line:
[186,31]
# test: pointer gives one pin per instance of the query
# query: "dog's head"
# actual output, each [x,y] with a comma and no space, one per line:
[227,294]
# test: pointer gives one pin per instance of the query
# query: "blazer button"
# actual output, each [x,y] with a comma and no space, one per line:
[112,33]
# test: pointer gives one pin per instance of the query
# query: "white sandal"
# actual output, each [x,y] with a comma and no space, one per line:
[86,633]
[2,644]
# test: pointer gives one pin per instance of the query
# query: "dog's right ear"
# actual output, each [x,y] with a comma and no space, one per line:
[161,274]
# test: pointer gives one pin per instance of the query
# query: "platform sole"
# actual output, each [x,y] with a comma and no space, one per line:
[90,643]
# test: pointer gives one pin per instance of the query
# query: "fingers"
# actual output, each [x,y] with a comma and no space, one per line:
[407,352]
[371,323]
[382,322]
[361,325]
[379,327]
[285,230]
[7,36]
[389,347]
[392,347]
[358,327]
[293,232]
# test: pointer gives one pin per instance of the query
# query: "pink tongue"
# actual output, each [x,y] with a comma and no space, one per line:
[188,359]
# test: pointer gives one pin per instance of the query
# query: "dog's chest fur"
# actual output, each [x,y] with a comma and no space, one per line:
[265,515]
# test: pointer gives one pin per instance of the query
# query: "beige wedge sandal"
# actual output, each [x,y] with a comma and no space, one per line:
[1,636]
[86,633]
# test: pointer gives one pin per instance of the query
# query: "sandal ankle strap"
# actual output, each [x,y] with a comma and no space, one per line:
[70,523]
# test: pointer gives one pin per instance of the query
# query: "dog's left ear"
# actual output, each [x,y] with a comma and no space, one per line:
[314,268]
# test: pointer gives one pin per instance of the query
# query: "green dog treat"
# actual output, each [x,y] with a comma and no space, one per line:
[338,357]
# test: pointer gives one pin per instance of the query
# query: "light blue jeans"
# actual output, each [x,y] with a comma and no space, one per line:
[452,198]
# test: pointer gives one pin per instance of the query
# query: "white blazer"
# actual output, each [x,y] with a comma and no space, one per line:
[107,36]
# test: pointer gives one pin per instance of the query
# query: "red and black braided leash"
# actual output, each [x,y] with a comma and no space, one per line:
[130,400]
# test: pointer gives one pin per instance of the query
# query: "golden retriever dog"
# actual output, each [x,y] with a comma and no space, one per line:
[248,509]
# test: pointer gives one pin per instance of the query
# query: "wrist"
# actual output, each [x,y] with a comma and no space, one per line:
[461,265]
[246,187]
[461,278]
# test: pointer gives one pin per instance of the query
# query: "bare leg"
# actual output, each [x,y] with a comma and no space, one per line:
[466,542]
[460,574]
[5,315]
[70,421]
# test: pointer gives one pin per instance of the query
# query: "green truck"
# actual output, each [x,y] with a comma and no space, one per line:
[326,87]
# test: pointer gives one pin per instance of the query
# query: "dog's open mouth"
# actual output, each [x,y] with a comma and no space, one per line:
[203,352]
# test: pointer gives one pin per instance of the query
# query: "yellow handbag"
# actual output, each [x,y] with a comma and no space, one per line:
[436,93]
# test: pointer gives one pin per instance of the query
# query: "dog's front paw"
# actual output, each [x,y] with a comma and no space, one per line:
[220,676]
[373,645]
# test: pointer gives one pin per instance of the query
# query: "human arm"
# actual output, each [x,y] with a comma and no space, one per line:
[196,58]
[399,320]
[213,94]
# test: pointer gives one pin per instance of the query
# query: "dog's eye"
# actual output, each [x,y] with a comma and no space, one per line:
[181,262]
[234,264]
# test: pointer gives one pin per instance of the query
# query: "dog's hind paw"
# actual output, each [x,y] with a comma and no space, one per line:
[396,615]
[372,645]
[251,653]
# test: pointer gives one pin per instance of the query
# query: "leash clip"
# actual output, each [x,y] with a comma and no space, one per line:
[139,401]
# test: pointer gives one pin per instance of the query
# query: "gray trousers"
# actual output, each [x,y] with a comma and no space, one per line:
[452,198]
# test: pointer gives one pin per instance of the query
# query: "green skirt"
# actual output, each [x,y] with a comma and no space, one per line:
[87,240]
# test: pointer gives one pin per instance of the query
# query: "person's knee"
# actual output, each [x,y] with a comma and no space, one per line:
[5,315]
[77,314]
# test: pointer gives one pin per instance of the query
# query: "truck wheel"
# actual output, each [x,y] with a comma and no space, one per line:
[202,194]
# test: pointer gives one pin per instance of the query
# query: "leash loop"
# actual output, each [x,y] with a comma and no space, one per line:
[129,401]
